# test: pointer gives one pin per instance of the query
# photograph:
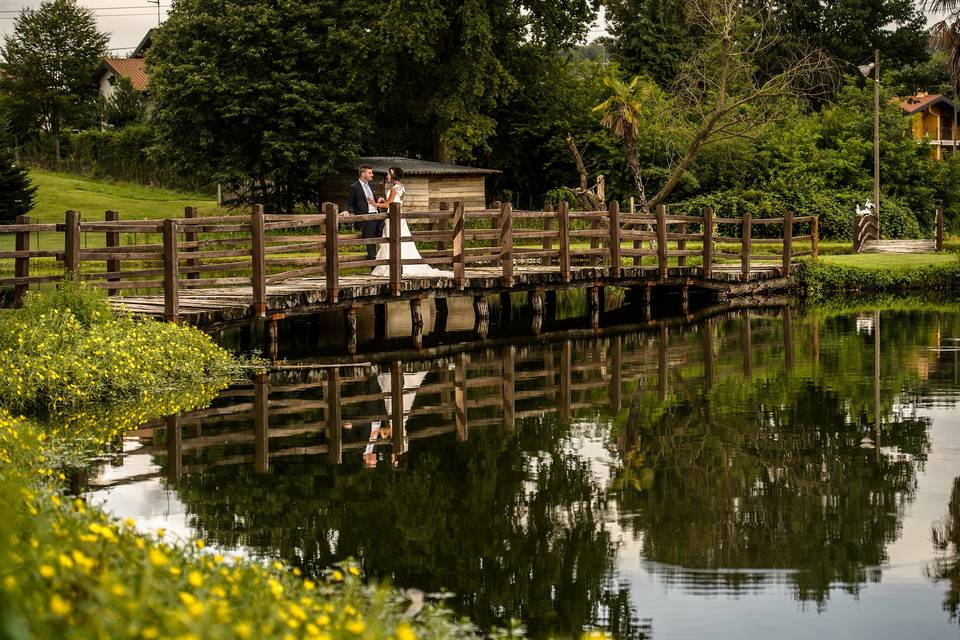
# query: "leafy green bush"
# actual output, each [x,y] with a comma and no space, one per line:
[817,278]
[67,348]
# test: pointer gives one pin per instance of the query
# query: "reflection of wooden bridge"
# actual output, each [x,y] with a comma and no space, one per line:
[225,269]
[493,384]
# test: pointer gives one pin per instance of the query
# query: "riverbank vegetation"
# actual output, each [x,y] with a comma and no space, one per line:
[879,274]
[77,377]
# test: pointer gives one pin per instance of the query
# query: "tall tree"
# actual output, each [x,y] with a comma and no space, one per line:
[720,94]
[852,29]
[50,61]
[444,68]
[257,93]
[946,35]
[649,37]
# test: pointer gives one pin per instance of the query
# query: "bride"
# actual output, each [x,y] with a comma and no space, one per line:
[408,250]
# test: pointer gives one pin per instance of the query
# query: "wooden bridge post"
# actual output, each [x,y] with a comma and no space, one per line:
[261,437]
[746,230]
[509,401]
[460,396]
[707,268]
[331,253]
[506,243]
[71,246]
[112,241]
[662,241]
[21,266]
[787,242]
[938,242]
[334,427]
[682,245]
[815,237]
[258,252]
[174,448]
[190,213]
[459,267]
[495,224]
[547,261]
[443,225]
[171,272]
[396,262]
[613,212]
[563,220]
[396,408]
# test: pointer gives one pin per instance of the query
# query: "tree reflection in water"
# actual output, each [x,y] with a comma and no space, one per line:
[744,452]
[946,539]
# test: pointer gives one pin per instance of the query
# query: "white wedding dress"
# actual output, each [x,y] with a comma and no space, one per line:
[411,383]
[408,250]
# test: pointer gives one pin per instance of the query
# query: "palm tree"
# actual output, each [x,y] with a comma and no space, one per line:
[621,114]
[946,35]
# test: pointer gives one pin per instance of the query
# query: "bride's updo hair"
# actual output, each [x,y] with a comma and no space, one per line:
[396,172]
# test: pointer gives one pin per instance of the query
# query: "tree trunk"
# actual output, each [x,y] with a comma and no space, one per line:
[588,200]
[441,150]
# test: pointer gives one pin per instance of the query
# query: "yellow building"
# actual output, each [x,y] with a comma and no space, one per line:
[933,116]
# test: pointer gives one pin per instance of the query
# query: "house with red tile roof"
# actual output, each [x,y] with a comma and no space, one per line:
[933,117]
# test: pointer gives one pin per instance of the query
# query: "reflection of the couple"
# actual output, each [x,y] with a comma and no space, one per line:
[375,427]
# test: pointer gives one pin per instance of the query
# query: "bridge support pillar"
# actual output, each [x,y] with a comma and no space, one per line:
[536,304]
[482,310]
[380,322]
[270,339]
[350,329]
[416,321]
[506,307]
[685,299]
[442,313]
[595,304]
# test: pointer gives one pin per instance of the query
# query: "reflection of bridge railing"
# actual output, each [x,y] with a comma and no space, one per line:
[501,385]
[242,265]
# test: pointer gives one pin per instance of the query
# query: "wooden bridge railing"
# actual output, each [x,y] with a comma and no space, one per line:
[259,250]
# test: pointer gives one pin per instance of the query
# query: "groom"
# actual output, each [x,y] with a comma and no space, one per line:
[360,201]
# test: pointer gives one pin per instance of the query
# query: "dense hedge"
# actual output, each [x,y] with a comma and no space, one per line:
[824,278]
[121,155]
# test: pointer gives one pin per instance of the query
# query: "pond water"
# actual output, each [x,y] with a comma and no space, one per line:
[755,473]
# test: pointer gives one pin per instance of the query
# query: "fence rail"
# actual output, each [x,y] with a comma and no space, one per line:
[181,255]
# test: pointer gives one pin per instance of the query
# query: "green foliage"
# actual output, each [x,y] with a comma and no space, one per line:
[851,29]
[650,37]
[124,107]
[68,349]
[823,277]
[53,92]
[17,195]
[258,94]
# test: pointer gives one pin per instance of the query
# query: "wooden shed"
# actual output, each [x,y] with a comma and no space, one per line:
[428,183]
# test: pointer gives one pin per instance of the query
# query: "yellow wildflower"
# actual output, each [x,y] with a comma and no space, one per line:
[405,632]
[58,606]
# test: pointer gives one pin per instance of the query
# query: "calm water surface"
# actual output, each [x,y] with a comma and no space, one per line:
[757,474]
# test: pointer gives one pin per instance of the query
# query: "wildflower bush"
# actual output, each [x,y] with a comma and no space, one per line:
[68,349]
[85,376]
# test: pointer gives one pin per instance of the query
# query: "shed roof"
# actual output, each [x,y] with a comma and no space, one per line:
[414,167]
[922,102]
[133,69]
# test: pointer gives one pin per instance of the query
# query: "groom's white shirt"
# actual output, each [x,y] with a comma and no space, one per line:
[369,193]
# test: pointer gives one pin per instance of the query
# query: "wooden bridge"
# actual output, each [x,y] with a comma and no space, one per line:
[219,270]
[866,237]
[481,384]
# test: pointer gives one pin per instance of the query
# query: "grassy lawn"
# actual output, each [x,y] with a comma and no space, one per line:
[58,192]
[891,260]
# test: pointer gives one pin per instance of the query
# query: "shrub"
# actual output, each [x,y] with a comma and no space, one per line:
[17,195]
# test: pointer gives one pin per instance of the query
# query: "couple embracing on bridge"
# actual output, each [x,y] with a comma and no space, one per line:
[361,201]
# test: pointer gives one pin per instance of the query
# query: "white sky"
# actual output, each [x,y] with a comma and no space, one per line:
[127,21]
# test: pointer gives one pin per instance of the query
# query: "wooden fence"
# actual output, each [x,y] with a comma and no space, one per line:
[258,250]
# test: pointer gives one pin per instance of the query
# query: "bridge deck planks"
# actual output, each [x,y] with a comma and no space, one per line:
[233,303]
[899,246]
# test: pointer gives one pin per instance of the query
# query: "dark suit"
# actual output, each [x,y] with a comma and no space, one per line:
[357,204]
